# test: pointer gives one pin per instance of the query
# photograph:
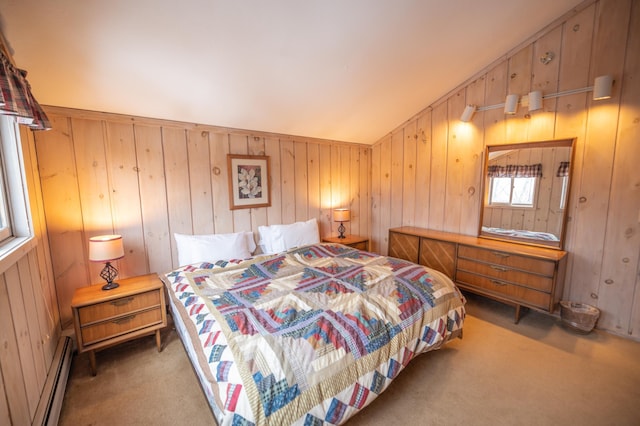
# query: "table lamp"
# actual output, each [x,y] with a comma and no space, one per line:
[341,215]
[106,248]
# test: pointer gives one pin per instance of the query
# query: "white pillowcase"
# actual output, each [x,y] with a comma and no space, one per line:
[212,247]
[279,238]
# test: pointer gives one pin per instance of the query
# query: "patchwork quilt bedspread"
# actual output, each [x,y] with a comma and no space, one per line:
[312,335]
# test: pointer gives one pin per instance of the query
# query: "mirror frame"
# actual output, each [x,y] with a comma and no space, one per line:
[558,143]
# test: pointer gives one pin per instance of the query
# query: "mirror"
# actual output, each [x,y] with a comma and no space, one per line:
[526,192]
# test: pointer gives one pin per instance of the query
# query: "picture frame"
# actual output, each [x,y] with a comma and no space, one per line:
[248,181]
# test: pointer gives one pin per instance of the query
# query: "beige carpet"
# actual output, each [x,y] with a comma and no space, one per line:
[533,373]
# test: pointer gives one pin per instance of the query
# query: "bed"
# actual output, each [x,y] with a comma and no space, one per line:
[310,335]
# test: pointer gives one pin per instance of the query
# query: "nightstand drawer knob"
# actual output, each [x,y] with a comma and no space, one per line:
[122,302]
[500,283]
[499,268]
[123,320]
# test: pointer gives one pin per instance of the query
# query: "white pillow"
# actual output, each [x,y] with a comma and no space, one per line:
[279,238]
[212,247]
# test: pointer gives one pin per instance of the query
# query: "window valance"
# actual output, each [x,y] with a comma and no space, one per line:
[16,98]
[563,169]
[512,170]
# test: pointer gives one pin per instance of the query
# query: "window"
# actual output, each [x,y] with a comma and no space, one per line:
[15,220]
[563,194]
[513,191]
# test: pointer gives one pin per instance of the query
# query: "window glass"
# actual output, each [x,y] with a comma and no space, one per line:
[512,191]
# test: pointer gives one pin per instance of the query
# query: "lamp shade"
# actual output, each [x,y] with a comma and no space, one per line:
[511,104]
[467,114]
[341,215]
[602,87]
[535,100]
[105,248]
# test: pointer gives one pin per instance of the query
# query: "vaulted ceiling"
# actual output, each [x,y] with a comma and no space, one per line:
[343,70]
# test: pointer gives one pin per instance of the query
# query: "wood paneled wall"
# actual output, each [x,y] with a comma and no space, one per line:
[29,319]
[148,179]
[427,172]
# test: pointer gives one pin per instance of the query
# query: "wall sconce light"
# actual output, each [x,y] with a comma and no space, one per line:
[602,87]
[341,215]
[511,104]
[106,248]
[535,100]
[467,114]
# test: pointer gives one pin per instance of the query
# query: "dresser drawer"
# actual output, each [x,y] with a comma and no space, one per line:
[439,255]
[404,246]
[120,325]
[112,308]
[505,273]
[503,289]
[529,264]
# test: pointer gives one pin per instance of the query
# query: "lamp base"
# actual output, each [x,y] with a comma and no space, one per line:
[341,230]
[110,286]
[109,273]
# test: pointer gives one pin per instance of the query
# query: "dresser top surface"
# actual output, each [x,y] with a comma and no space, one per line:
[486,243]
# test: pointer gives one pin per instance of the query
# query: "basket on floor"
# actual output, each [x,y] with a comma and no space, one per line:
[579,316]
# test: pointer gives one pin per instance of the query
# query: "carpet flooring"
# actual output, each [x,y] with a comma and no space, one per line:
[536,372]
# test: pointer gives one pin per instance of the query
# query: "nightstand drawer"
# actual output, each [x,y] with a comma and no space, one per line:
[109,309]
[120,325]
[360,246]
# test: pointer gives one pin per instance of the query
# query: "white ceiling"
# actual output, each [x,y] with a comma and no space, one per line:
[348,70]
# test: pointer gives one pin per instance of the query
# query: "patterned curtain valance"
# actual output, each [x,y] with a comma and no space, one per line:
[512,170]
[16,98]
[563,169]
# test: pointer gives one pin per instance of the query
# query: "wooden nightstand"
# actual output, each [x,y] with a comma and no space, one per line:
[106,317]
[355,241]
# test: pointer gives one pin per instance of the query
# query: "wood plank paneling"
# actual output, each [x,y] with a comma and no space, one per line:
[199,181]
[127,216]
[153,198]
[178,183]
[423,169]
[409,174]
[603,227]
[61,201]
[12,374]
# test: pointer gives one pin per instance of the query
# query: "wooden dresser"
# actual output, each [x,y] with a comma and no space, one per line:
[106,317]
[517,274]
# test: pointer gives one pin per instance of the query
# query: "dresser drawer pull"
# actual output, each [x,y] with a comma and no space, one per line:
[500,254]
[499,268]
[500,283]
[122,302]
[124,320]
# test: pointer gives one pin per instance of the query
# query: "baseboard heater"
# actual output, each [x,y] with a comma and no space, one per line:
[48,411]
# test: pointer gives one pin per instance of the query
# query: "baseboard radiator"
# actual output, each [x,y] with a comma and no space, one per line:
[48,411]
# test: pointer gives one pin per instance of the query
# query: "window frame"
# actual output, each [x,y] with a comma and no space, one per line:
[16,199]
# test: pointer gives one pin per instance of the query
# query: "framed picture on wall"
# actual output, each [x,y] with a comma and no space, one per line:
[248,181]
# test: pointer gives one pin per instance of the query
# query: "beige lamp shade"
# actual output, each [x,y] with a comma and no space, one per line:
[511,104]
[341,215]
[105,248]
[602,87]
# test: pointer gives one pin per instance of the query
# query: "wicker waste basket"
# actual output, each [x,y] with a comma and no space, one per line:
[579,316]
